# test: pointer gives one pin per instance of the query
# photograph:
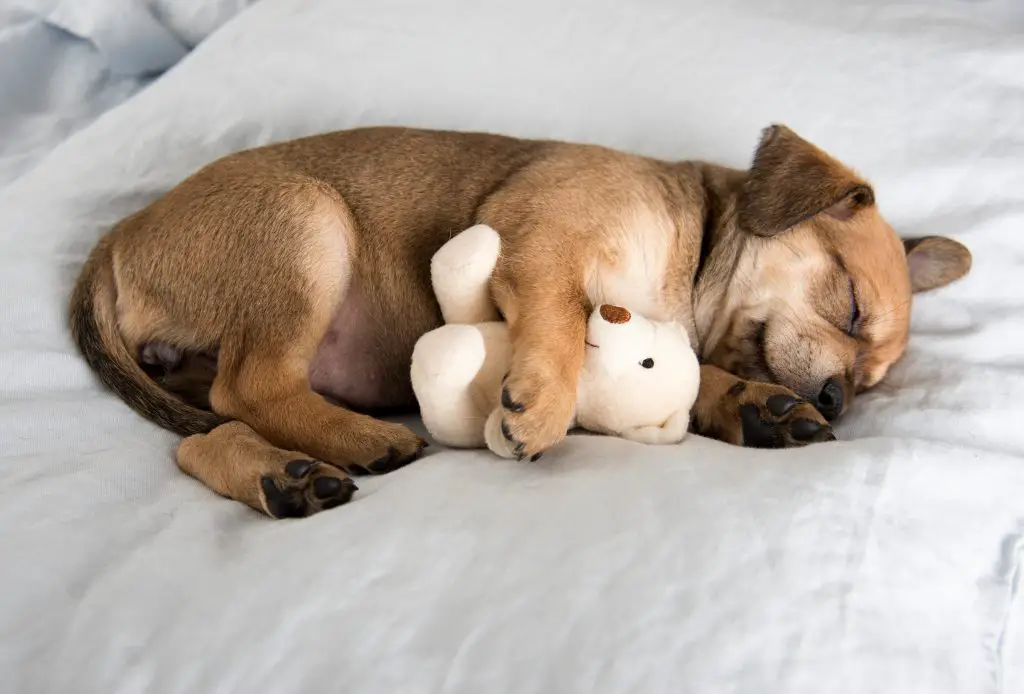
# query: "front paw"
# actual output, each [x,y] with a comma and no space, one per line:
[537,408]
[764,415]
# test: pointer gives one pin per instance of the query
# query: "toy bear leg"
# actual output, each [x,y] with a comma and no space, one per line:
[445,363]
[461,272]
[496,440]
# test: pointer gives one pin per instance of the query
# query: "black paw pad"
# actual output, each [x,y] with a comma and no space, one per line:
[780,405]
[804,429]
[535,457]
[506,432]
[344,493]
[281,504]
[758,433]
[326,487]
[297,469]
[341,492]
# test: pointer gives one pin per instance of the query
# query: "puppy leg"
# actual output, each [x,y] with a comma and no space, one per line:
[278,313]
[237,463]
[268,388]
[754,414]
[546,310]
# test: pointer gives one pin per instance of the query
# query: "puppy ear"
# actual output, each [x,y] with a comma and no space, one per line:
[935,261]
[791,181]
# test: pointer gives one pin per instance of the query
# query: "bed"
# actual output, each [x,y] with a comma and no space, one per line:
[887,561]
[65,62]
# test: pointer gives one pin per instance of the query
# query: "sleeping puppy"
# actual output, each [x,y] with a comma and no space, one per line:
[269,303]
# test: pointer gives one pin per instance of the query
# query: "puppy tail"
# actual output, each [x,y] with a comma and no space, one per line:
[94,329]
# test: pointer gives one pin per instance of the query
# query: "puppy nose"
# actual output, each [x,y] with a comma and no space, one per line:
[830,399]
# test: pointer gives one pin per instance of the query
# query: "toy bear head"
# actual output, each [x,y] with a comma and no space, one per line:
[639,379]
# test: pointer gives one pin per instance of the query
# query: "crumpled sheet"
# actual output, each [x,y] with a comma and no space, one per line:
[888,561]
[64,62]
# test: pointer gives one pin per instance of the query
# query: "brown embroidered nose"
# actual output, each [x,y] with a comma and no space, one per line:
[615,314]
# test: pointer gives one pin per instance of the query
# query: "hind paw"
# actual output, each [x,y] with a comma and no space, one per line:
[303,488]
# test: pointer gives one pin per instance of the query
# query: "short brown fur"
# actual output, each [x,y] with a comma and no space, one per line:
[304,268]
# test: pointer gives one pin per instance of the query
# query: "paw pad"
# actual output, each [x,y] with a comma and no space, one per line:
[305,488]
[780,404]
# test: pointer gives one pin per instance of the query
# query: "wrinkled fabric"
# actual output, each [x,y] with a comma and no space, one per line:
[65,62]
[888,561]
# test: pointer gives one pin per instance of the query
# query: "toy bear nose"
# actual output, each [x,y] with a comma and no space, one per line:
[615,314]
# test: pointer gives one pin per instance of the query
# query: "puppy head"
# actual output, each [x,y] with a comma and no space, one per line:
[819,300]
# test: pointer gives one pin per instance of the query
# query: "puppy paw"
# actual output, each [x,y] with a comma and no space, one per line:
[764,415]
[304,487]
[385,449]
[537,408]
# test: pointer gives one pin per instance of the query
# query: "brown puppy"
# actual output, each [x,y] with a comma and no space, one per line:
[279,281]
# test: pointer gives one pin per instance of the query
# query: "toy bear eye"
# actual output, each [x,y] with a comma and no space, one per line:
[647,363]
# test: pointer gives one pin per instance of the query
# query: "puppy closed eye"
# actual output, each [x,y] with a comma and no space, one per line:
[838,303]
[647,363]
[853,327]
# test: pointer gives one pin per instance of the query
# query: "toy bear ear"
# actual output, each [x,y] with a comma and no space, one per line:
[615,314]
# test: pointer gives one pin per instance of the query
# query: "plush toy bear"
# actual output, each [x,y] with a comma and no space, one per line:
[639,377]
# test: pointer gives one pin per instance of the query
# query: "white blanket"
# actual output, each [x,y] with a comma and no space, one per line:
[64,62]
[888,561]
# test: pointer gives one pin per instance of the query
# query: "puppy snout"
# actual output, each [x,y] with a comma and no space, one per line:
[830,399]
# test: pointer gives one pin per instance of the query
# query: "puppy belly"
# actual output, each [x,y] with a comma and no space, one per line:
[350,366]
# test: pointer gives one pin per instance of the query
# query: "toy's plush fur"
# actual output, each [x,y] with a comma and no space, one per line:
[639,378]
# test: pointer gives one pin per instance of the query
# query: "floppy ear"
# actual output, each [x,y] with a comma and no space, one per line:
[791,181]
[935,261]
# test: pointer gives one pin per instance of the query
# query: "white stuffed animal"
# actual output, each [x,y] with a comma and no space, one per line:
[639,377]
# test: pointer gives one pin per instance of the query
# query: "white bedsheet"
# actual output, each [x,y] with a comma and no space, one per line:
[889,561]
[64,62]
